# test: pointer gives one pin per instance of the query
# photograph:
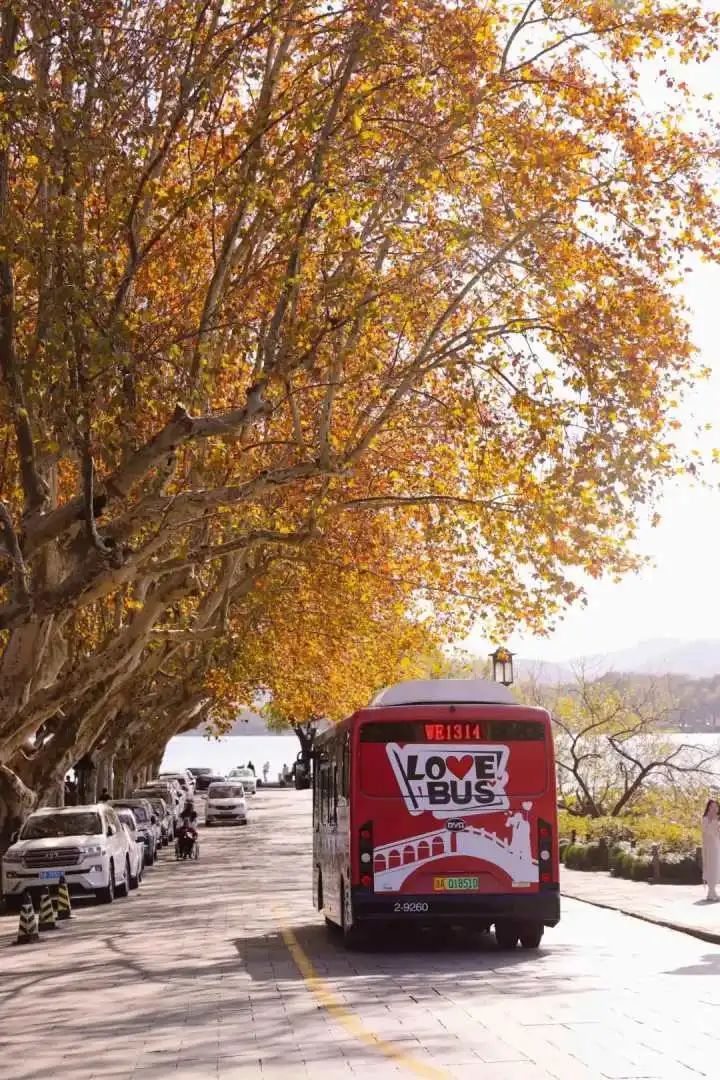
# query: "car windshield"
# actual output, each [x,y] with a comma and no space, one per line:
[225,791]
[244,774]
[43,826]
[127,818]
[140,812]
[201,772]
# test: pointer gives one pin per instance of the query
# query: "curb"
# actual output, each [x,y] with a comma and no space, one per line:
[681,928]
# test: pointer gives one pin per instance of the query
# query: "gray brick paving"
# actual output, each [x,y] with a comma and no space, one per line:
[190,979]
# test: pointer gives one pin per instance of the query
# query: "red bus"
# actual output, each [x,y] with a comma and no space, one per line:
[437,804]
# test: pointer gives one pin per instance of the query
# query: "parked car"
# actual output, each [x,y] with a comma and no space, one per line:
[129,822]
[163,801]
[187,785]
[164,818]
[171,790]
[246,778]
[203,777]
[86,844]
[226,802]
[146,821]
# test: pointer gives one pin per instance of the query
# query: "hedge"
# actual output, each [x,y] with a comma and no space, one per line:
[635,864]
[587,856]
[645,830]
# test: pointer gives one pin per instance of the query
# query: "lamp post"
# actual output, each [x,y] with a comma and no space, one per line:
[502,661]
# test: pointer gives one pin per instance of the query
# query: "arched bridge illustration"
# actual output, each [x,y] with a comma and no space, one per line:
[393,863]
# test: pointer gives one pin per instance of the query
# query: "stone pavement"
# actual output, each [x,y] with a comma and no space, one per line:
[680,907]
[222,970]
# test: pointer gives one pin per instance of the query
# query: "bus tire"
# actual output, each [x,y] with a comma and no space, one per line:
[353,937]
[506,934]
[531,936]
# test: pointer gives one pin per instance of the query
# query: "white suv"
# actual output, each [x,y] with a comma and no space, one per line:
[226,802]
[87,844]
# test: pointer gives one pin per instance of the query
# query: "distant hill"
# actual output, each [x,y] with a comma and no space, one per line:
[247,723]
[658,656]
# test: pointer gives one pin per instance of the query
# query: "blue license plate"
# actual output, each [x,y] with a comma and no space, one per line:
[50,875]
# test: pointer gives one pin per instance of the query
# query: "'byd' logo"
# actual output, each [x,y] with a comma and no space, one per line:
[453,781]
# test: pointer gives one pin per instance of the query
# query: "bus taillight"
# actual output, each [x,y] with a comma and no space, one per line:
[545,841]
[365,853]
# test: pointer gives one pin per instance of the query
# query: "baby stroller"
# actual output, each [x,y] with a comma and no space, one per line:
[186,842]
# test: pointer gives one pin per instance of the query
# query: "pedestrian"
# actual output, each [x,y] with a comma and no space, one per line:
[251,767]
[266,772]
[285,774]
[711,848]
[105,795]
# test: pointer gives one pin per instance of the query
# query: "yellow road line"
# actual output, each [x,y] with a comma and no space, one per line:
[320,990]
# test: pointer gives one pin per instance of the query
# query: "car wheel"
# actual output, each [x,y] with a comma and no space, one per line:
[123,888]
[135,881]
[107,895]
[150,857]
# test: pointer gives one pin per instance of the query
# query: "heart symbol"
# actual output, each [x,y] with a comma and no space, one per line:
[460,766]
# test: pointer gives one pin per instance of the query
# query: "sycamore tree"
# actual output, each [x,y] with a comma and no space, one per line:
[615,747]
[279,276]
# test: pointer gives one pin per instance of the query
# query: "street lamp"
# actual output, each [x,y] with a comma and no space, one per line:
[502,661]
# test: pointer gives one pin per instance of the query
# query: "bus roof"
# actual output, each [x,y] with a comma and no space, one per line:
[443,692]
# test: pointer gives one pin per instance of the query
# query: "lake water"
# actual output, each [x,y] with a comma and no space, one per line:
[228,751]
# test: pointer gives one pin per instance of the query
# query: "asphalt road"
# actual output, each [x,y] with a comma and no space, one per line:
[221,968]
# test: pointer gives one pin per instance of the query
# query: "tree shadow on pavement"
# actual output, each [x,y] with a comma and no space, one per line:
[710,966]
[414,958]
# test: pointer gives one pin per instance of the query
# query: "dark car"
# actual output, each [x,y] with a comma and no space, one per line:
[203,777]
[146,821]
[164,806]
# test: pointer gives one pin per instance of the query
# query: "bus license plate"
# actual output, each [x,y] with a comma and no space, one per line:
[450,884]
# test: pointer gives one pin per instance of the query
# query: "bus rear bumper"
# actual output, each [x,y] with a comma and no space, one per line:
[481,909]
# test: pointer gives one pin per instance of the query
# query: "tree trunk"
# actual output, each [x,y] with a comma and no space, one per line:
[306,738]
[86,770]
[16,801]
[105,775]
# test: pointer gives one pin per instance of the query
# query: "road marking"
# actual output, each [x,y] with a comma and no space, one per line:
[320,990]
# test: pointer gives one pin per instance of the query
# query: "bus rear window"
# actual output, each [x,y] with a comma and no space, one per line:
[399,755]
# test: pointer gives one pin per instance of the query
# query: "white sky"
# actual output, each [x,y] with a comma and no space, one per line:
[679,595]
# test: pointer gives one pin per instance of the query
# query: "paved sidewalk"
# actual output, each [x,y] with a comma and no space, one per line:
[679,907]
[221,969]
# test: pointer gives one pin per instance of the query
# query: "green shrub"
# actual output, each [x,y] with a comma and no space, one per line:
[575,856]
[645,830]
[617,857]
[641,868]
[682,868]
[597,855]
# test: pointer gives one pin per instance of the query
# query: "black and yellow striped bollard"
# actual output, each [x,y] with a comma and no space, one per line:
[64,907]
[28,925]
[48,918]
